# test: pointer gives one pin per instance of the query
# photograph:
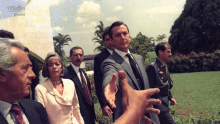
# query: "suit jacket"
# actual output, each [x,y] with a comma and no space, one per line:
[161,81]
[87,110]
[98,75]
[61,109]
[34,111]
[113,64]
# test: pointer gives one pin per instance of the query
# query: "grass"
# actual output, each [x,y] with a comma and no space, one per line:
[197,94]
[152,56]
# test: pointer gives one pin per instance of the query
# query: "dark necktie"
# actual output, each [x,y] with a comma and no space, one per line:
[15,108]
[136,71]
[85,87]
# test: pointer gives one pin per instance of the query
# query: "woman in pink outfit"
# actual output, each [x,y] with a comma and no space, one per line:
[58,95]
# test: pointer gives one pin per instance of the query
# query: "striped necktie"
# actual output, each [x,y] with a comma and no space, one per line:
[85,87]
[15,108]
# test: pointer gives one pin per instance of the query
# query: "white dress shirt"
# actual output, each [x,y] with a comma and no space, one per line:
[123,55]
[110,51]
[76,68]
[11,116]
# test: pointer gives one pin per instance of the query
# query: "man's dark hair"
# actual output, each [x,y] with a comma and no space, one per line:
[26,49]
[6,34]
[161,46]
[74,48]
[106,32]
[115,24]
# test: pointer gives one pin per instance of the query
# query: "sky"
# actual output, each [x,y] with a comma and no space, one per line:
[78,18]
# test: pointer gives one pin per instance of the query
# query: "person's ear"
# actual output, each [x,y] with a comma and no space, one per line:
[160,52]
[2,75]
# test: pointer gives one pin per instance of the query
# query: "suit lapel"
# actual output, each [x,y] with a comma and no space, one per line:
[162,68]
[76,81]
[2,119]
[105,54]
[126,67]
[56,94]
[28,113]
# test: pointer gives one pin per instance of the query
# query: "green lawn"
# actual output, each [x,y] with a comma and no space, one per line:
[152,57]
[197,93]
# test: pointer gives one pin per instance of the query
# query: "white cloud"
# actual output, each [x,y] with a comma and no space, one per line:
[0,12]
[89,8]
[80,20]
[90,25]
[118,8]
[57,29]
[91,31]
[112,19]
[25,1]
[56,2]
[164,10]
[65,18]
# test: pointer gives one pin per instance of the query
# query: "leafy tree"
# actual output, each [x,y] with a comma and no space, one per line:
[60,41]
[141,44]
[197,28]
[98,39]
[159,38]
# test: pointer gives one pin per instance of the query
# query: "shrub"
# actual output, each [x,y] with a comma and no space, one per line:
[194,62]
[100,118]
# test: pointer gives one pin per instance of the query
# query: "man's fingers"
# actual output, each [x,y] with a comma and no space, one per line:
[146,119]
[123,80]
[153,102]
[152,91]
[112,104]
[110,110]
[152,110]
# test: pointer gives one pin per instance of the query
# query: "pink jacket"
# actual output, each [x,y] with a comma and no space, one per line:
[60,109]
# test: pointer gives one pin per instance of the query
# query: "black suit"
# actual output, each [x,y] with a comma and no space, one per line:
[34,111]
[87,111]
[98,75]
[159,77]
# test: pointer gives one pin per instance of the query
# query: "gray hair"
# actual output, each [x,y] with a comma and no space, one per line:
[7,60]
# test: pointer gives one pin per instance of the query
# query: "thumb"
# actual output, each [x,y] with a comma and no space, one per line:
[114,77]
[123,80]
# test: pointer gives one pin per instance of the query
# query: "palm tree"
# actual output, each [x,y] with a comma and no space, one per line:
[60,41]
[98,39]
[161,37]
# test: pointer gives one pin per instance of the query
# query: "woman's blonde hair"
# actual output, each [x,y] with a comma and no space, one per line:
[45,71]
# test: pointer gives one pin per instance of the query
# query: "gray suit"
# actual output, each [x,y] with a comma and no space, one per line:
[115,63]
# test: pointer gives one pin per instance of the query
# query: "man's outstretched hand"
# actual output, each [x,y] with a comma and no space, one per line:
[135,103]
[110,90]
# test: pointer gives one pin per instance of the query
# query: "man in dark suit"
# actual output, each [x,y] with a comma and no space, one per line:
[159,77]
[98,76]
[132,64]
[15,80]
[82,84]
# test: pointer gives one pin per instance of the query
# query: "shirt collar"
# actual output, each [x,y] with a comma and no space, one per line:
[110,51]
[76,68]
[122,54]
[5,107]
[163,64]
